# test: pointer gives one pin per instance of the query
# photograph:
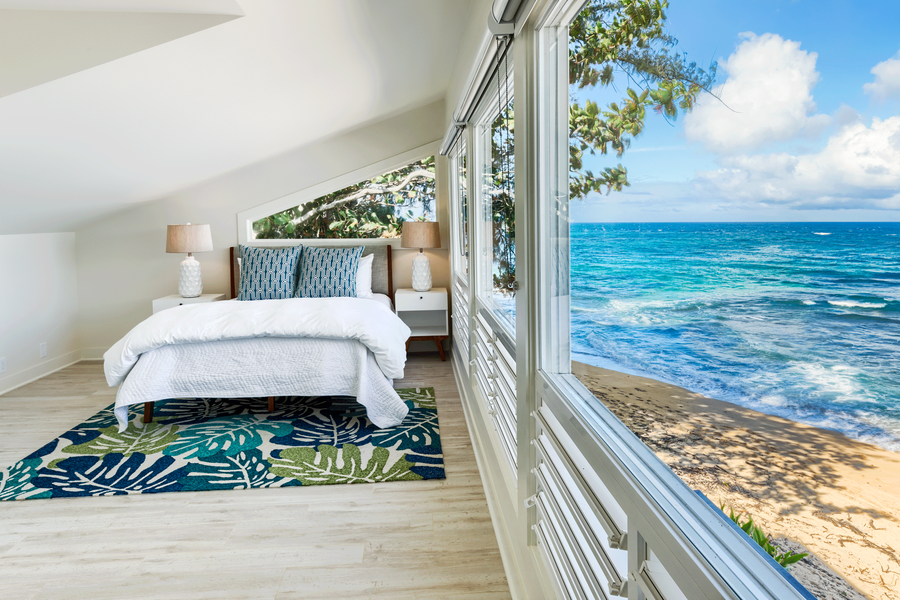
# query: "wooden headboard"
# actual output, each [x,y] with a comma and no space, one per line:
[382,268]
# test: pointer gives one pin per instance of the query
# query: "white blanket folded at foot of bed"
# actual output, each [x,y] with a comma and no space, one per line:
[292,347]
[366,321]
[252,368]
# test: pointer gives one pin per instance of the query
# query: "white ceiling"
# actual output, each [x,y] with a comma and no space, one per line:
[91,35]
[171,115]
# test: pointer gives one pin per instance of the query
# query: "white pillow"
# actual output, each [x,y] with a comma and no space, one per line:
[364,277]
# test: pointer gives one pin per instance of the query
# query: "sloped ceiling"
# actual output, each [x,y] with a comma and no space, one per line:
[194,92]
[43,40]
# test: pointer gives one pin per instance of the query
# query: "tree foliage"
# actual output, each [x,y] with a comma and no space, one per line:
[628,38]
[369,209]
[608,39]
[501,189]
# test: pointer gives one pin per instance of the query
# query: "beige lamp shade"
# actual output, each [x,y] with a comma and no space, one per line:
[420,234]
[189,238]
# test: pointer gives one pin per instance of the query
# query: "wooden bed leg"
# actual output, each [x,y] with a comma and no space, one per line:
[148,412]
[271,403]
[440,347]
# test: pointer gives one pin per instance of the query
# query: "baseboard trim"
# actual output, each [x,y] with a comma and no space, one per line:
[518,563]
[31,374]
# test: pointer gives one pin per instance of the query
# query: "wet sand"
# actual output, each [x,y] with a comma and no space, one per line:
[838,497]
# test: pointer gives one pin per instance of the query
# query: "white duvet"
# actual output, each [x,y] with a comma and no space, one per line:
[309,346]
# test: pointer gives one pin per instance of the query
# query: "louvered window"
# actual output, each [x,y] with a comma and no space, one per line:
[461,318]
[495,374]
[577,532]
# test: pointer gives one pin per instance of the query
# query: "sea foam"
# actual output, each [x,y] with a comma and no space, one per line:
[741,313]
[852,304]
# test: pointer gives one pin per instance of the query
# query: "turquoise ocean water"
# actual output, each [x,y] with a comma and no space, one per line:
[800,320]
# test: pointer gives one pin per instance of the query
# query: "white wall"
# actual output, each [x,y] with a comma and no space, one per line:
[38,303]
[122,264]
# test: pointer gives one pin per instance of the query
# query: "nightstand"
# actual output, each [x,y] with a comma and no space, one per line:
[426,314]
[176,300]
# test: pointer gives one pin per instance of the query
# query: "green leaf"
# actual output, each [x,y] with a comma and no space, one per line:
[330,465]
[420,397]
[152,438]
[790,558]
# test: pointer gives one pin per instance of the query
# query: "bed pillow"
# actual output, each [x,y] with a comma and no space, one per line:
[328,272]
[364,277]
[268,273]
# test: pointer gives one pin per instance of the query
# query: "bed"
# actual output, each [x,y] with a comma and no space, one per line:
[268,348]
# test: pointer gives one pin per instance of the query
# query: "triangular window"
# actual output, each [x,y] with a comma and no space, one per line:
[369,209]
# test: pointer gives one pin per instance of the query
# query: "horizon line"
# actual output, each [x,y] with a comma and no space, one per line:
[729,222]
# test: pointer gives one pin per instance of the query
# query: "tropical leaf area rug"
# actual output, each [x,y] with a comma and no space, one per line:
[213,444]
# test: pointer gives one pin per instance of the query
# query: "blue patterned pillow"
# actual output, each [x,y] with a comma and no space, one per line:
[328,272]
[268,273]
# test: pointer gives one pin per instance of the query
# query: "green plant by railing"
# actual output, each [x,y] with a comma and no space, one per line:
[759,536]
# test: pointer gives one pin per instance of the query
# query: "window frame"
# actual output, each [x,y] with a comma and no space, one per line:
[461,243]
[480,157]
[706,557]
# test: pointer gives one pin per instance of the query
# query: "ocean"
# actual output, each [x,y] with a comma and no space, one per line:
[799,320]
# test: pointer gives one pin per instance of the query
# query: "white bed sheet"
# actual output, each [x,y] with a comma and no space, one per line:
[384,299]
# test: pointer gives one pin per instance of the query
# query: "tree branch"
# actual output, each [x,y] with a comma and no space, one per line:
[362,194]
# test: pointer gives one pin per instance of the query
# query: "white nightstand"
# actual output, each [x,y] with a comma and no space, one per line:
[426,314]
[176,300]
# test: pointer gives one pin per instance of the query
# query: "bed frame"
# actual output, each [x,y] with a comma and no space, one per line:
[382,283]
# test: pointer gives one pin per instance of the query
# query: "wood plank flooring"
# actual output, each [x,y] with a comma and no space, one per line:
[403,540]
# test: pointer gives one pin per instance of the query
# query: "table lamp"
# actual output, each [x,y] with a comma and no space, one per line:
[189,238]
[421,234]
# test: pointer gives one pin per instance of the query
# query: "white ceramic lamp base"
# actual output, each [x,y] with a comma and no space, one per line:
[190,284]
[421,273]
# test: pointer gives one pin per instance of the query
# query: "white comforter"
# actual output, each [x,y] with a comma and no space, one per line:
[188,330]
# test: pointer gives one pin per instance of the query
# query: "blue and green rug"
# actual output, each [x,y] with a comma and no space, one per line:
[216,444]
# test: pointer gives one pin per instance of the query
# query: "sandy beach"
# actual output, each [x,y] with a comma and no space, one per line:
[837,497]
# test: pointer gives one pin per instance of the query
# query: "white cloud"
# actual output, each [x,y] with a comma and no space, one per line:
[887,80]
[858,168]
[846,115]
[767,97]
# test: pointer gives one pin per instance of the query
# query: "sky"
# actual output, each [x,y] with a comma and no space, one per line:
[807,129]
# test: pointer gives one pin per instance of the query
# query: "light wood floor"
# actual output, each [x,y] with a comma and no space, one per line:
[401,540]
